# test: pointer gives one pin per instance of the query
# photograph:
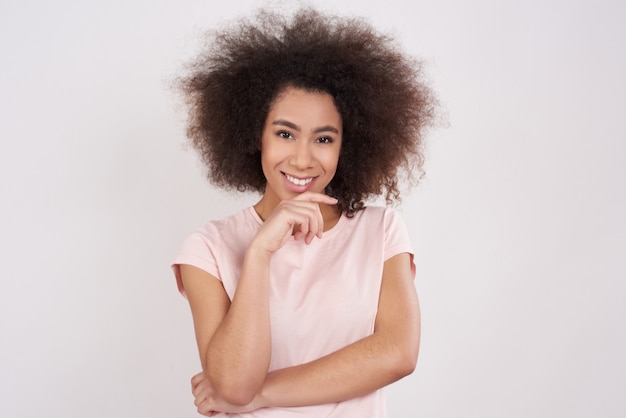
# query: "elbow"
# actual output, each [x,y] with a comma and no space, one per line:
[237,396]
[405,360]
[235,383]
[234,391]
[406,365]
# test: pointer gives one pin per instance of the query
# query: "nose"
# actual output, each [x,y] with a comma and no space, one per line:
[302,157]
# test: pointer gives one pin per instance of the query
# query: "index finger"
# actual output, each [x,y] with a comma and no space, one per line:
[316,197]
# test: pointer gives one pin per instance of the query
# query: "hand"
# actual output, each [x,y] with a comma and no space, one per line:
[300,217]
[208,401]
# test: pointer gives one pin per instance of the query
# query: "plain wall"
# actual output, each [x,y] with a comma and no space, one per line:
[519,226]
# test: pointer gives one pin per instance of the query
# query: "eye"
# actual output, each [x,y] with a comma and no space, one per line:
[325,140]
[285,135]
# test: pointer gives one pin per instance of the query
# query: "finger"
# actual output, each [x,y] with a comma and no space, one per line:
[315,221]
[200,396]
[196,379]
[207,413]
[207,408]
[306,223]
[310,221]
[307,217]
[194,387]
[316,197]
[309,237]
[320,222]
[317,225]
[200,391]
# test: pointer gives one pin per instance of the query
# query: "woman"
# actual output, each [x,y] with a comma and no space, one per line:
[304,304]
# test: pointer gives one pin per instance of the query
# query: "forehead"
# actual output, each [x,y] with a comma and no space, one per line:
[305,104]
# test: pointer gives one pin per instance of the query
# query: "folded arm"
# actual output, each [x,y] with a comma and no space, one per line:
[387,355]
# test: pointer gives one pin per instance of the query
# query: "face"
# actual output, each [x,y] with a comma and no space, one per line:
[300,143]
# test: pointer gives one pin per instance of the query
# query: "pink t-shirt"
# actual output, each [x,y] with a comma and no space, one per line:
[323,296]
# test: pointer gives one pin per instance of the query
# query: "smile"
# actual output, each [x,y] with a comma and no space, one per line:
[297,181]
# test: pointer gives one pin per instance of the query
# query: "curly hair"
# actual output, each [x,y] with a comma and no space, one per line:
[379,92]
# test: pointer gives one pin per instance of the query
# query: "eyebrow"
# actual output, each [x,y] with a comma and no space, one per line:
[326,128]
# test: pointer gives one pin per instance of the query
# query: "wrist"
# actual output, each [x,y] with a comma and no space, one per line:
[257,254]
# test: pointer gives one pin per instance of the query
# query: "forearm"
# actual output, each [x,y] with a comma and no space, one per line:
[238,355]
[354,371]
[387,355]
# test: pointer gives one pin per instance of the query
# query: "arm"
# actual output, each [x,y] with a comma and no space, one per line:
[389,354]
[234,339]
[356,370]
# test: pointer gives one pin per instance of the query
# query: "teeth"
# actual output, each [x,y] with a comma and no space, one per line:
[299,182]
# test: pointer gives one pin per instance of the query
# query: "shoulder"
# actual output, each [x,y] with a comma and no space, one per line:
[235,224]
[372,215]
[378,221]
[211,237]
[387,225]
[215,243]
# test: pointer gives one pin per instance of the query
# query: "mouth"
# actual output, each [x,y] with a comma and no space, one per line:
[298,181]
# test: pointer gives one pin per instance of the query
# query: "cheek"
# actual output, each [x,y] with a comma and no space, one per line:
[336,154]
[271,155]
[330,162]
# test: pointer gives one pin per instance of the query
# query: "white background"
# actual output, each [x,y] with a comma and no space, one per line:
[519,226]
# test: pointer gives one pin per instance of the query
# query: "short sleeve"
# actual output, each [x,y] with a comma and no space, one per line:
[198,250]
[397,239]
